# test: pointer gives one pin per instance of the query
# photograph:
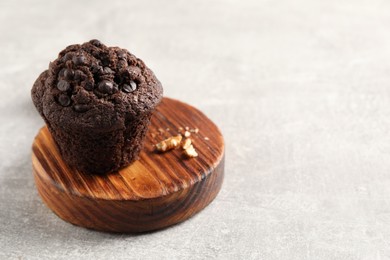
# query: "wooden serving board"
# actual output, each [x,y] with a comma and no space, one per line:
[158,190]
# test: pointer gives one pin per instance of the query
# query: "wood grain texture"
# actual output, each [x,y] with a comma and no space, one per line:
[158,190]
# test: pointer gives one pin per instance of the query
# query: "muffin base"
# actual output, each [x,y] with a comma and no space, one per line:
[156,191]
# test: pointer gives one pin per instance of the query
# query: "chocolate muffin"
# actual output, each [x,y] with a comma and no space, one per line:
[97,102]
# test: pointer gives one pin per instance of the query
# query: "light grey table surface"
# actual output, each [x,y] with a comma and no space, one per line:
[300,90]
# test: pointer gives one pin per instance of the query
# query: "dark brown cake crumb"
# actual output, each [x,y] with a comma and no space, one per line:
[97,102]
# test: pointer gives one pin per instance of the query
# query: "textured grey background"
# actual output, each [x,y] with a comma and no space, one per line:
[299,88]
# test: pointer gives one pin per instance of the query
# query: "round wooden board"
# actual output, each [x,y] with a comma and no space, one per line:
[158,190]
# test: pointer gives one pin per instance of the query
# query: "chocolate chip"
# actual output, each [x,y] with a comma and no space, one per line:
[122,63]
[97,69]
[63,85]
[122,55]
[88,86]
[69,74]
[96,42]
[128,88]
[106,87]
[64,100]
[79,59]
[81,108]
[116,88]
[79,75]
[61,73]
[66,57]
[107,70]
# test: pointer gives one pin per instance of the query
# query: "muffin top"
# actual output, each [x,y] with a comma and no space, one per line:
[92,85]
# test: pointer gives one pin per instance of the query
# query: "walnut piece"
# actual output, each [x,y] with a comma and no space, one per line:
[169,143]
[190,152]
[195,130]
[186,144]
[175,141]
